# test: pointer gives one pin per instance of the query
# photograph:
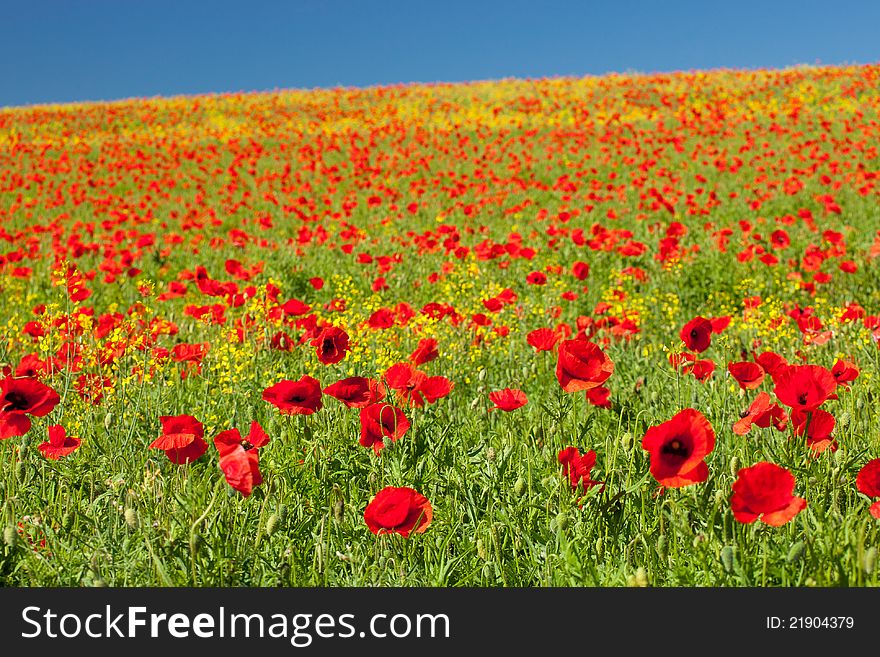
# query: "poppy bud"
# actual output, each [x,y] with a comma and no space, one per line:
[661,547]
[734,466]
[24,444]
[20,471]
[481,375]
[99,582]
[727,558]
[519,487]
[491,455]
[562,521]
[272,524]
[108,420]
[195,542]
[481,549]
[869,559]
[795,552]
[626,440]
[843,419]
[840,456]
[339,510]
[600,548]
[10,536]
[860,403]
[131,518]
[67,522]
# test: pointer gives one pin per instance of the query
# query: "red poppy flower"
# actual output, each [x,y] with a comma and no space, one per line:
[425,352]
[817,425]
[577,466]
[719,323]
[414,386]
[181,439]
[59,444]
[868,483]
[765,491]
[771,362]
[536,278]
[381,421]
[543,339]
[381,319]
[301,397]
[31,366]
[748,375]
[406,380]
[844,372]
[580,270]
[763,414]
[599,397]
[435,387]
[697,334]
[398,511]
[682,361]
[678,447]
[20,398]
[296,307]
[582,365]
[508,399]
[239,459]
[804,387]
[331,345]
[356,391]
[702,370]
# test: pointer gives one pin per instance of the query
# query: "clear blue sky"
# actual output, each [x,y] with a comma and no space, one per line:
[57,51]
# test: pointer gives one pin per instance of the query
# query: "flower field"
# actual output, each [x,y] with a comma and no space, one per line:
[606,331]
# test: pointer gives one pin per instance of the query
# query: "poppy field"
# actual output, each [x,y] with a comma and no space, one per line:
[605,331]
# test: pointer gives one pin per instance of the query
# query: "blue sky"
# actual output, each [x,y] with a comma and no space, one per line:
[61,51]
